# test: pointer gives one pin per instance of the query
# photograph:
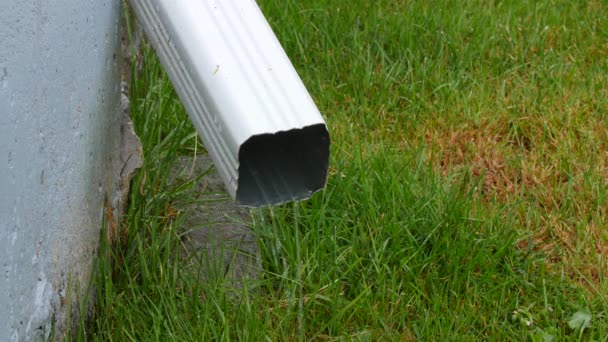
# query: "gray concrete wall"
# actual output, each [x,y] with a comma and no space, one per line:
[59,133]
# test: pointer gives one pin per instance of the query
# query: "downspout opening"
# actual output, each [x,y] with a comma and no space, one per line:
[284,166]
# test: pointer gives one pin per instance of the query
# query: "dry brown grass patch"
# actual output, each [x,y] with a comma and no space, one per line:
[550,173]
[484,152]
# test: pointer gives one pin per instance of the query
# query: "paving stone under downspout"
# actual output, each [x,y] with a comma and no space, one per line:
[217,239]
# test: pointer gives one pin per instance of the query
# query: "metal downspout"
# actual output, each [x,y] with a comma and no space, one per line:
[248,104]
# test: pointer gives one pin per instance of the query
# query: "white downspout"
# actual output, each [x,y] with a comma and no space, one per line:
[252,111]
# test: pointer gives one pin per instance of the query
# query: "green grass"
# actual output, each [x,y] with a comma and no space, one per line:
[466,199]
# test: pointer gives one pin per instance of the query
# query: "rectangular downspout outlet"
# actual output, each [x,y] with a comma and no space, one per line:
[257,120]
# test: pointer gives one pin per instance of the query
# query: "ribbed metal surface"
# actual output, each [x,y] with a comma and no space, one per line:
[258,122]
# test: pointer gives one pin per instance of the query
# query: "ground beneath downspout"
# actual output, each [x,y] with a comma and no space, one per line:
[217,240]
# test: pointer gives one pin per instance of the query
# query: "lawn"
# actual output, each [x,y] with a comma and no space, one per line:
[467,196]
